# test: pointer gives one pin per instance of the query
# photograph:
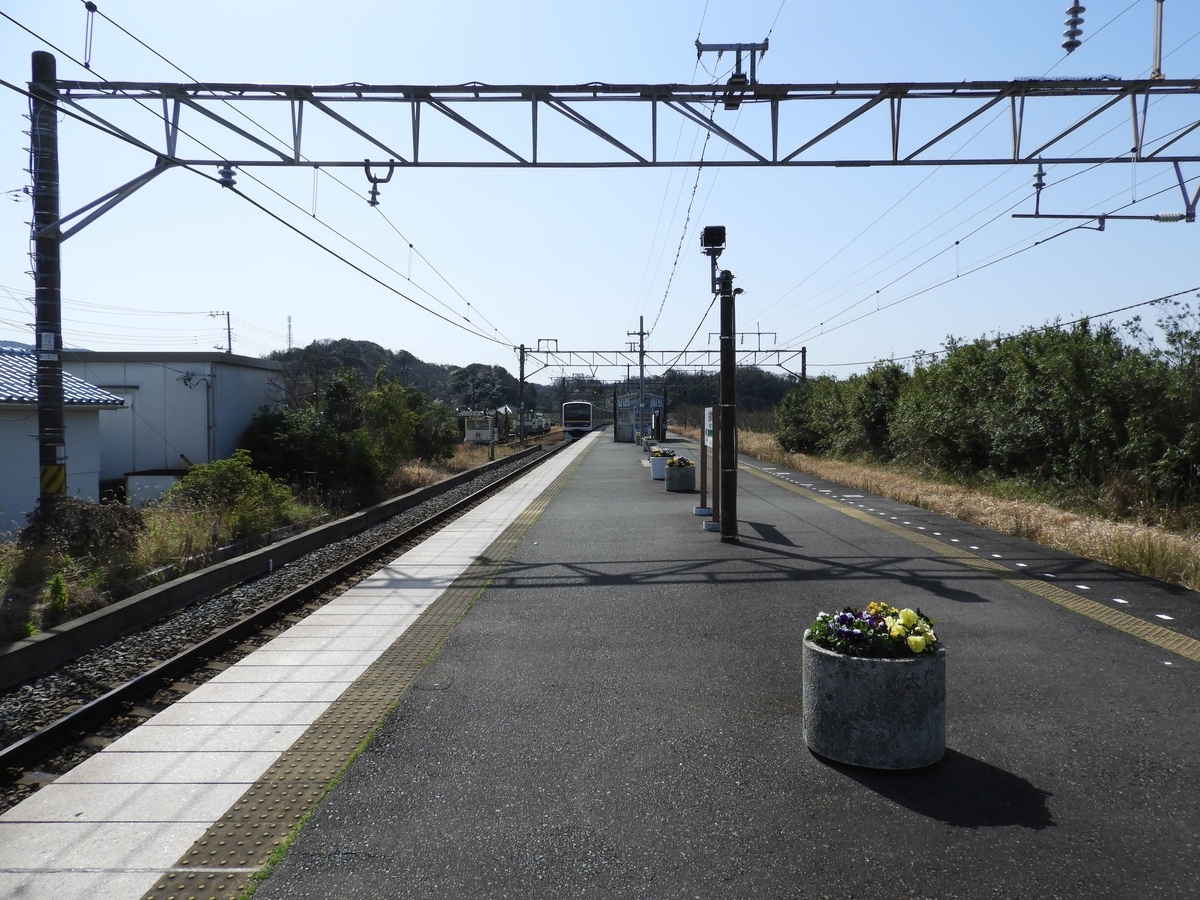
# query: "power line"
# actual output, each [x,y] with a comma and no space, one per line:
[284,143]
[956,244]
[250,175]
[1009,336]
[806,334]
[343,259]
[921,183]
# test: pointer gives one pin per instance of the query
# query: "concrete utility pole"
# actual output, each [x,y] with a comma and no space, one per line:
[641,336]
[47,275]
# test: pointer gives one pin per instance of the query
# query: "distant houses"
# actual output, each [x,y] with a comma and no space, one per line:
[135,421]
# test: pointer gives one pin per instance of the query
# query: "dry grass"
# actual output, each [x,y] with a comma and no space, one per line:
[172,535]
[1144,549]
[418,473]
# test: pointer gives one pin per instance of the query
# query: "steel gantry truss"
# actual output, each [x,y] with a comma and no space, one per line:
[801,137]
[815,113]
[594,360]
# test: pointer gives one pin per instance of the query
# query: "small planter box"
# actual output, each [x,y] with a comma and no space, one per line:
[658,467]
[875,713]
[680,478]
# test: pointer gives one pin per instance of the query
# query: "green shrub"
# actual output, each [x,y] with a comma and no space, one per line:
[57,595]
[252,501]
[1076,406]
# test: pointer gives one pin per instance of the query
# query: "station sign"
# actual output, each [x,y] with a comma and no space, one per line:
[708,426]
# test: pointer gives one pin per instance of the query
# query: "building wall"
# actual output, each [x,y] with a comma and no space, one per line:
[19,487]
[178,411]
[19,473]
[240,394]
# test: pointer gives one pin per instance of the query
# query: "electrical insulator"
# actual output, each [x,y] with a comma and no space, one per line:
[225,176]
[1074,20]
[1039,178]
[1169,217]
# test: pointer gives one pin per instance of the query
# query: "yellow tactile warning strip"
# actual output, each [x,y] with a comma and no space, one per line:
[1181,644]
[222,863]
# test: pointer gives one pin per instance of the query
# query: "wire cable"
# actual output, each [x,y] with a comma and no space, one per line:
[282,142]
[211,150]
[824,331]
[1011,335]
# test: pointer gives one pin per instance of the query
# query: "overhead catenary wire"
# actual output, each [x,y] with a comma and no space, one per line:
[704,206]
[300,232]
[68,56]
[316,173]
[957,242]
[1004,337]
[967,143]
[946,249]
[808,335]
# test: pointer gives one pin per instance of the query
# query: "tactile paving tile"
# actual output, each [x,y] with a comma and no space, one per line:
[222,863]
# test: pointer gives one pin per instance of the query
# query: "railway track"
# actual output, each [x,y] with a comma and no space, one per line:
[62,717]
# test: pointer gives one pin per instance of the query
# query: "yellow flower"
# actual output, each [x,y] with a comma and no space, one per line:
[897,632]
[908,618]
[916,643]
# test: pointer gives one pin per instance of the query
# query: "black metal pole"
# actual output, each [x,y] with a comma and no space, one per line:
[614,413]
[521,397]
[47,275]
[804,364]
[729,526]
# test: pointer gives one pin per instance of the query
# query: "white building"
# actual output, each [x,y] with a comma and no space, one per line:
[19,483]
[180,409]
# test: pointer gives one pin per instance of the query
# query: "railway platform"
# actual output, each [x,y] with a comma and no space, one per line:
[595,697]
[620,716]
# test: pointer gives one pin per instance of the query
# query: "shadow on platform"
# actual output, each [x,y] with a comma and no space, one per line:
[961,791]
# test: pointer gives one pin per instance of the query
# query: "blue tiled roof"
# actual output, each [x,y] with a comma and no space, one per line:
[18,383]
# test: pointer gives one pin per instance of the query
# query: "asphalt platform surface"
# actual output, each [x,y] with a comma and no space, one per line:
[619,715]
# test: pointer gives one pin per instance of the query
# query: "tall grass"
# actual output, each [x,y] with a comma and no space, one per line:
[1145,549]
[419,473]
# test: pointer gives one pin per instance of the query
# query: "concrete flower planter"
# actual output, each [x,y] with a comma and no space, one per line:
[876,713]
[658,467]
[680,478]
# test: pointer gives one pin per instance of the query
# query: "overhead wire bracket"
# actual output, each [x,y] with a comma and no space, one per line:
[375,180]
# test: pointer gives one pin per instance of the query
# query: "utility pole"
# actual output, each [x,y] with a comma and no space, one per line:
[229,330]
[803,364]
[289,344]
[641,336]
[614,411]
[47,275]
[521,397]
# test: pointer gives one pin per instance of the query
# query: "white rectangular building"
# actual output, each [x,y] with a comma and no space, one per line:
[180,409]
[84,406]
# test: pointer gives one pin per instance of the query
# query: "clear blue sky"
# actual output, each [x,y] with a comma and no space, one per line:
[578,256]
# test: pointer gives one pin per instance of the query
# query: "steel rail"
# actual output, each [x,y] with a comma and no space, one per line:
[65,729]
